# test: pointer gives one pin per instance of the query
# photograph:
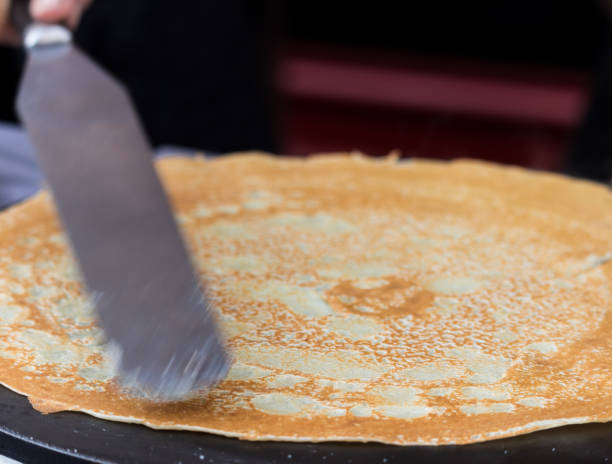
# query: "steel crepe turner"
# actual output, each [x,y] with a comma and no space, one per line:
[98,164]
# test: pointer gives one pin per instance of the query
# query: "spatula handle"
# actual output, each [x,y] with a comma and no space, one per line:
[36,34]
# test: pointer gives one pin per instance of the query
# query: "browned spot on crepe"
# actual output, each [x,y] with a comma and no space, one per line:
[394,298]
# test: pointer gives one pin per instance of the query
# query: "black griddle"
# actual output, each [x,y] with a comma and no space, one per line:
[31,437]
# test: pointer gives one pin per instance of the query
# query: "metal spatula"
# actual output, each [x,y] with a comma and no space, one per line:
[98,164]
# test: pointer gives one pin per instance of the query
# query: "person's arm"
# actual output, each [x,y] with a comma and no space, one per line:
[46,11]
[5,30]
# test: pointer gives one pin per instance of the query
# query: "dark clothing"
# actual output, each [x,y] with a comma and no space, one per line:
[198,71]
[591,154]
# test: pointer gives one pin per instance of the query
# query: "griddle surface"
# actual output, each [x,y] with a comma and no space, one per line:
[30,436]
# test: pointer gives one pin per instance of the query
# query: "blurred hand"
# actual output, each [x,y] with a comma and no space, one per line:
[46,11]
[4,7]
[58,11]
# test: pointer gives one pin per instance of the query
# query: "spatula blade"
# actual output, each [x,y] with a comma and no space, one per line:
[98,164]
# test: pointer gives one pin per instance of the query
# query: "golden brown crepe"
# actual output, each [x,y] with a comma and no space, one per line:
[363,300]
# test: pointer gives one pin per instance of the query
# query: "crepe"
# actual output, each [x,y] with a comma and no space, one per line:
[362,299]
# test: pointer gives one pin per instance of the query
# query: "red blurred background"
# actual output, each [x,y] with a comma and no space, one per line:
[508,83]
[337,99]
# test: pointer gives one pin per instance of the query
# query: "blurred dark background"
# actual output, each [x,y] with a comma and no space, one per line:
[523,82]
